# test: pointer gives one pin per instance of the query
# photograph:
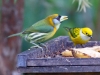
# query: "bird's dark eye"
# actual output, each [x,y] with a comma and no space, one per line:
[58,18]
[86,33]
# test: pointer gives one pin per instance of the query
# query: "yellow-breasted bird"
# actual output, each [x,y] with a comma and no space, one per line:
[79,35]
[42,30]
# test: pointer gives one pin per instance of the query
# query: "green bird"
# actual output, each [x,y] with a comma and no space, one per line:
[42,30]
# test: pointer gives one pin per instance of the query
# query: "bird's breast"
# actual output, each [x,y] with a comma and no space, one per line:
[84,37]
[57,26]
[79,40]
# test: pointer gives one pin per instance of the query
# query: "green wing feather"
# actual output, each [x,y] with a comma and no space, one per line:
[40,26]
[74,32]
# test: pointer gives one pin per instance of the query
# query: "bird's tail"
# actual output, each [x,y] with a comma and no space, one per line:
[67,28]
[17,34]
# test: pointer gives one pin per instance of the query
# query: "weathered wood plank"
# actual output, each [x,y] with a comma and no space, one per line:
[52,62]
[64,62]
[59,69]
[21,61]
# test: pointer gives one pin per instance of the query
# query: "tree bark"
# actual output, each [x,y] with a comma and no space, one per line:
[11,22]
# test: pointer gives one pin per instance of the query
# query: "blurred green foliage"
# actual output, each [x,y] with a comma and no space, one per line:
[35,10]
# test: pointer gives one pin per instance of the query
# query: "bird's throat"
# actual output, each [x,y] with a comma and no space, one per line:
[83,36]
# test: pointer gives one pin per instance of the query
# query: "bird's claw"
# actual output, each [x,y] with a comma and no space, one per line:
[44,46]
[37,46]
[82,46]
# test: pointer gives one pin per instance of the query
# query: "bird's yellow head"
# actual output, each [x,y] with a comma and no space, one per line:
[55,19]
[87,31]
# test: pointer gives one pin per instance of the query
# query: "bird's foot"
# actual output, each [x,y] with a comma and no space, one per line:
[41,44]
[82,46]
[37,46]
[34,46]
[42,51]
[46,48]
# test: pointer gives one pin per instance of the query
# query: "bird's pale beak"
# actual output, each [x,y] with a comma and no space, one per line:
[91,37]
[63,18]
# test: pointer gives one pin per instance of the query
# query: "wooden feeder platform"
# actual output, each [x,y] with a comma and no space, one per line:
[51,61]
